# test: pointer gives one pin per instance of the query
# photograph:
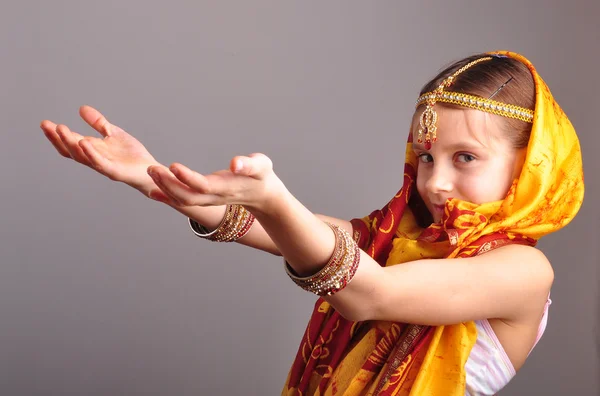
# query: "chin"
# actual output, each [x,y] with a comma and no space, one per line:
[436,215]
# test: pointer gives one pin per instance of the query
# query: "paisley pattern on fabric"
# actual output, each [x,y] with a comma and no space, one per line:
[340,357]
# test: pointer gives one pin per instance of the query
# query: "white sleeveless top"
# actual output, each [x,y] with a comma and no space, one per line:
[488,368]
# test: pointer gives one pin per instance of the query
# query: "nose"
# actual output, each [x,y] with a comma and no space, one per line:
[440,180]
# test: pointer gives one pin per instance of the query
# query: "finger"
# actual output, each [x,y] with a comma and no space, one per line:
[192,179]
[180,192]
[49,129]
[96,120]
[71,142]
[170,186]
[222,183]
[255,165]
[100,163]
[159,195]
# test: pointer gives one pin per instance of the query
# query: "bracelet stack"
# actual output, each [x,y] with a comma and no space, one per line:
[236,223]
[339,270]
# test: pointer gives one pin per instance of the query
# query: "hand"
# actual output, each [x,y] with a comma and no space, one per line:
[249,181]
[117,155]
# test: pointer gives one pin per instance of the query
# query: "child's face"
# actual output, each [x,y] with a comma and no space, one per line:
[472,159]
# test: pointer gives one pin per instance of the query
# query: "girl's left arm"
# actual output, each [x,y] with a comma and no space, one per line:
[498,284]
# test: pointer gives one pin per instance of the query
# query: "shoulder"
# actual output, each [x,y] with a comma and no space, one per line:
[528,269]
[521,258]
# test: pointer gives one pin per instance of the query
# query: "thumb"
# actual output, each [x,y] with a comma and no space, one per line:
[255,165]
[96,120]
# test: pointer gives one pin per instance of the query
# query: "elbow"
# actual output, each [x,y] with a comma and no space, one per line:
[353,315]
[358,312]
[365,298]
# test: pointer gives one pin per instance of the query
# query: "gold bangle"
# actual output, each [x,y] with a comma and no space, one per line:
[339,270]
[236,223]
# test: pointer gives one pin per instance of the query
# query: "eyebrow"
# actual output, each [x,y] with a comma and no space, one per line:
[453,147]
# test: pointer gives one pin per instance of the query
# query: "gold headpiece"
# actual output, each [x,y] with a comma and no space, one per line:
[428,120]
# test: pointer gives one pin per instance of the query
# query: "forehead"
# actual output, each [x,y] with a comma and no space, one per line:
[461,124]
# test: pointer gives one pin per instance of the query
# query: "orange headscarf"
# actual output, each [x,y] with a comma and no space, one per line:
[340,357]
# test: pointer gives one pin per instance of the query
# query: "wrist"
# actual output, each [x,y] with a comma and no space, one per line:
[273,200]
[144,184]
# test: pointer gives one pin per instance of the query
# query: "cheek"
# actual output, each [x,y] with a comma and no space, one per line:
[484,187]
[504,185]
[421,179]
[505,173]
[475,189]
[518,163]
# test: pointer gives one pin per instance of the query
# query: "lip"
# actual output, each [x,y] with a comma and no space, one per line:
[439,208]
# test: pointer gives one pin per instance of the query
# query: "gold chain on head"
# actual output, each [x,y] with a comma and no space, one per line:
[428,119]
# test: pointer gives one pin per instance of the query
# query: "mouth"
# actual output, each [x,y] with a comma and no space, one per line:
[438,209]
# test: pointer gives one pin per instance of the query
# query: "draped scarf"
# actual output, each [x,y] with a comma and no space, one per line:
[341,357]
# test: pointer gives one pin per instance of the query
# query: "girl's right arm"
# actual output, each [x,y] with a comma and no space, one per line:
[121,157]
[211,216]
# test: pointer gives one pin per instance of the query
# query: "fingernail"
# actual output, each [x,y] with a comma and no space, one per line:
[175,171]
[155,176]
[238,165]
[158,198]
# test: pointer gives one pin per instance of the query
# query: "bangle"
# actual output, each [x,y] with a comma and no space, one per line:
[235,224]
[339,270]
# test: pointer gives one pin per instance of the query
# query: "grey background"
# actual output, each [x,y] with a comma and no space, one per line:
[103,292]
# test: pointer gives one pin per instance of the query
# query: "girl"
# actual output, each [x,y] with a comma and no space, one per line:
[492,164]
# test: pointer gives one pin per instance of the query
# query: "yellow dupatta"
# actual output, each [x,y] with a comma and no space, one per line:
[340,357]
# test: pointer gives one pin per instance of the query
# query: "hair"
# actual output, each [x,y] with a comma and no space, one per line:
[509,80]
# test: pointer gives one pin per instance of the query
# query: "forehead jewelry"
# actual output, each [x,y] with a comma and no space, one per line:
[428,120]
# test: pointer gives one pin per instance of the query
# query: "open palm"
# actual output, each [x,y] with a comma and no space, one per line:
[117,154]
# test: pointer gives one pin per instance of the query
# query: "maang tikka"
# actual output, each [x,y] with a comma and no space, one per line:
[428,119]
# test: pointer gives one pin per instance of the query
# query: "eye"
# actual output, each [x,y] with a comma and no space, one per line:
[425,158]
[465,158]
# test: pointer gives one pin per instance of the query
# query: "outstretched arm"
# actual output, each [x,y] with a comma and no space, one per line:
[211,216]
[121,157]
[507,283]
